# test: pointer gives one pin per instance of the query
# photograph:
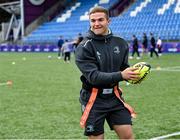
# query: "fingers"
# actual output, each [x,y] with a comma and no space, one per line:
[132,69]
[134,77]
[130,74]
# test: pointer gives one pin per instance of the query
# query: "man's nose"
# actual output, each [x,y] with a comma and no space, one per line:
[96,22]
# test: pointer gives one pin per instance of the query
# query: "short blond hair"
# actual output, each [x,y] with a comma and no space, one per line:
[99,9]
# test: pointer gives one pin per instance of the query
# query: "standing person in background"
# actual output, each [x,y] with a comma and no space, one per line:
[135,46]
[145,43]
[78,41]
[80,38]
[60,43]
[153,46]
[103,60]
[159,46]
[66,49]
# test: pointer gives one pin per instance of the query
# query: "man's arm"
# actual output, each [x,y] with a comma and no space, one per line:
[87,63]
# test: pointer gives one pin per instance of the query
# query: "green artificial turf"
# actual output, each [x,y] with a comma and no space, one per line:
[43,102]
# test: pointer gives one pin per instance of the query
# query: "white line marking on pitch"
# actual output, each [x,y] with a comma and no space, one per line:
[166,136]
[173,69]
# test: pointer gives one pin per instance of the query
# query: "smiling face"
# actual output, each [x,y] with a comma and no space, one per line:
[99,23]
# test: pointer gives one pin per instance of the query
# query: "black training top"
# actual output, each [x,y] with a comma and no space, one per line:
[101,58]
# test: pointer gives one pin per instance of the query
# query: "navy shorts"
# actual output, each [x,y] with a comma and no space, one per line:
[106,107]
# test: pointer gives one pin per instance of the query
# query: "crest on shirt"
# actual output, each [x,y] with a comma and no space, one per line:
[116,50]
[98,54]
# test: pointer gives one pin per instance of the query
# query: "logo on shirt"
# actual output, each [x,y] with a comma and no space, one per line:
[98,54]
[116,50]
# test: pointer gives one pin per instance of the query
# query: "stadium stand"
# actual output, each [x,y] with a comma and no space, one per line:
[148,16]
[160,17]
[68,26]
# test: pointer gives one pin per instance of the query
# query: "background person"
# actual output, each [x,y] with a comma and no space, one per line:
[159,46]
[78,40]
[66,49]
[135,46]
[153,46]
[145,43]
[60,43]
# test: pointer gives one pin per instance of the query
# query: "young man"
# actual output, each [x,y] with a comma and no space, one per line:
[103,60]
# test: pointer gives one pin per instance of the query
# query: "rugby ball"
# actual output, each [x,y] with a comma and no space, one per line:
[143,69]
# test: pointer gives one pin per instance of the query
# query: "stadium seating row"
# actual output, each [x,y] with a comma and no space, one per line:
[146,19]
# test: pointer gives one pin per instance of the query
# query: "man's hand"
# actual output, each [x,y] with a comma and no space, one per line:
[130,74]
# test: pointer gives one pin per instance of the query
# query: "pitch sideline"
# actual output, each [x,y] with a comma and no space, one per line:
[173,69]
[166,136]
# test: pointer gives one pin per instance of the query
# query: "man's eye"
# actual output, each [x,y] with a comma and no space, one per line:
[101,19]
[92,20]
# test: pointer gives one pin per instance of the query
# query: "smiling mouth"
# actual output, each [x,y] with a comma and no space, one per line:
[98,28]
